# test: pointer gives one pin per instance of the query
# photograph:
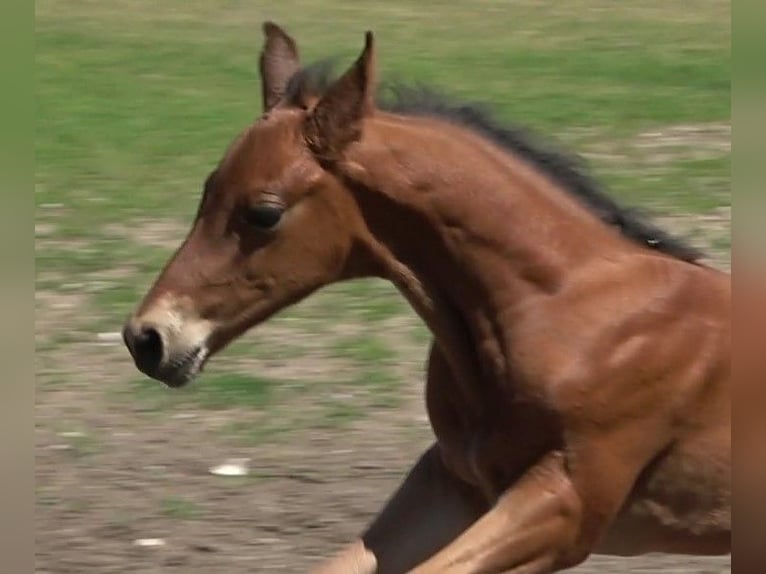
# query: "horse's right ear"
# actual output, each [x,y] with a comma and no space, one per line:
[336,119]
[279,62]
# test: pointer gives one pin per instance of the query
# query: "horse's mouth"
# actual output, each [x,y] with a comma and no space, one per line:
[182,370]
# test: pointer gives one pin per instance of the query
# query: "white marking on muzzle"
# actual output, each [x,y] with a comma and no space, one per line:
[181,329]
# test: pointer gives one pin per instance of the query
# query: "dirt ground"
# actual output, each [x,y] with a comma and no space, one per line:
[306,497]
[112,470]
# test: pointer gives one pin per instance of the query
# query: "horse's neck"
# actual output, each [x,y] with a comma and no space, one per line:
[455,205]
[465,232]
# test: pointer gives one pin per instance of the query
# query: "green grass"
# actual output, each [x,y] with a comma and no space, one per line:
[259,432]
[710,189]
[338,414]
[372,358]
[217,391]
[136,102]
[81,442]
[179,508]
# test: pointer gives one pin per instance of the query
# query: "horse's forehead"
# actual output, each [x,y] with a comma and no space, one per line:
[263,149]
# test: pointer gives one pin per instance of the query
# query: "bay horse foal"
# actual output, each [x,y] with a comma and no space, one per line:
[578,384]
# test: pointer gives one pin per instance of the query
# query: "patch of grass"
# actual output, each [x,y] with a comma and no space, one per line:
[225,390]
[117,300]
[216,391]
[339,414]
[688,185]
[45,500]
[131,120]
[57,339]
[363,349]
[79,505]
[368,300]
[260,432]
[180,508]
[255,345]
[373,359]
[722,244]
[421,335]
[84,445]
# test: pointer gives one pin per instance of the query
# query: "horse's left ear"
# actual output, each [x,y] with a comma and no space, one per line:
[279,62]
[336,120]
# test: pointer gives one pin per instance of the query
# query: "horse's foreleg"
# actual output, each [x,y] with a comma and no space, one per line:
[429,510]
[356,558]
[537,515]
[553,516]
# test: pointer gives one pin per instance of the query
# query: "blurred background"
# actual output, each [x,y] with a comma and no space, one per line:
[317,415]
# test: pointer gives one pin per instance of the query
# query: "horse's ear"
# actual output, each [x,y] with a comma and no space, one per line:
[279,62]
[336,120]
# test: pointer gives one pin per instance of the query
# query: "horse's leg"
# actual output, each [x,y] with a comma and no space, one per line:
[540,512]
[430,509]
[554,515]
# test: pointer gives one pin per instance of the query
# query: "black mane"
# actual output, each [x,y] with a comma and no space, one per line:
[566,169]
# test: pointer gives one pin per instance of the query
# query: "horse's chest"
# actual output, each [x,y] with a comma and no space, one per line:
[492,452]
[490,460]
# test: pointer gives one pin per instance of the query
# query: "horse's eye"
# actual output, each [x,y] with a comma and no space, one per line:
[263,216]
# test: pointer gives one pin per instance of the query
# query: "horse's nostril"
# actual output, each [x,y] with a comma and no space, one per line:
[145,344]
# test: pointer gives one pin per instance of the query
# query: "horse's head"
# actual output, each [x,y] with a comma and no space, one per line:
[273,224]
